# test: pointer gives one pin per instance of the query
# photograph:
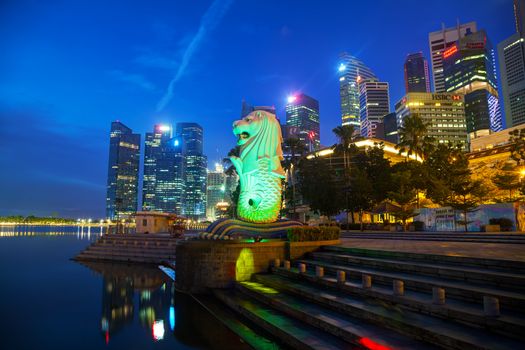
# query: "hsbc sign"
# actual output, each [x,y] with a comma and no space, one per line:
[445,97]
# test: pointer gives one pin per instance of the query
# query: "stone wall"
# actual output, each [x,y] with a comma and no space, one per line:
[203,264]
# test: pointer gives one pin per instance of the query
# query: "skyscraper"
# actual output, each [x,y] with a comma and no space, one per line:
[351,71]
[438,42]
[247,108]
[169,179]
[152,151]
[374,104]
[443,113]
[302,120]
[191,134]
[416,73]
[123,172]
[215,190]
[469,69]
[511,54]
[164,169]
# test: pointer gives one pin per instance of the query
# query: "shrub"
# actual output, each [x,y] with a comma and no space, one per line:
[311,233]
[504,223]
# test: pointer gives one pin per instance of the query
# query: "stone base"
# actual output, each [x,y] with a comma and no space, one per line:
[202,265]
[232,229]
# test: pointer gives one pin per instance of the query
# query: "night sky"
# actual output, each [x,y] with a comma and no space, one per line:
[68,68]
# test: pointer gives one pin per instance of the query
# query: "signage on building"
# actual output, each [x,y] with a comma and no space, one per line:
[446,97]
[478,45]
[450,51]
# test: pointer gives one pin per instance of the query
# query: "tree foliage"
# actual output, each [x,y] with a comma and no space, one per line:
[517,141]
[319,186]
[412,137]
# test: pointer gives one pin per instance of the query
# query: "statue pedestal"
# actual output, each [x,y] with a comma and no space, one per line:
[204,264]
[233,229]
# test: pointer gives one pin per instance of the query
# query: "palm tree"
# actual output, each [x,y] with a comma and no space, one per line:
[296,147]
[346,135]
[412,136]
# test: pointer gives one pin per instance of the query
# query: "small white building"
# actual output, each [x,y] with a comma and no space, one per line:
[155,222]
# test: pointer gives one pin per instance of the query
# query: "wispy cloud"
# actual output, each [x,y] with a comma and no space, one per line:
[135,79]
[209,21]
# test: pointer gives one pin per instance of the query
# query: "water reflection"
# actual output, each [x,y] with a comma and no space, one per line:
[81,231]
[126,288]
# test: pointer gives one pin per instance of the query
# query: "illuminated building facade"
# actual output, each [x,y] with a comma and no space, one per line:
[163,183]
[416,73]
[351,71]
[469,69]
[511,54]
[302,120]
[169,177]
[438,42]
[123,172]
[191,134]
[374,103]
[443,113]
[160,135]
[215,190]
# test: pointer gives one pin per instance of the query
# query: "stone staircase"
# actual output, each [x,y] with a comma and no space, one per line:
[137,248]
[346,298]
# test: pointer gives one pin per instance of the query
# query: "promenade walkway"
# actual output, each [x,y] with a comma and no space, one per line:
[502,251]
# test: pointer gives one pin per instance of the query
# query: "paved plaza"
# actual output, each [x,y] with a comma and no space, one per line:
[505,251]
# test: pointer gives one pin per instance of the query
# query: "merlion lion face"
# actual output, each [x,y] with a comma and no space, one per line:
[247,128]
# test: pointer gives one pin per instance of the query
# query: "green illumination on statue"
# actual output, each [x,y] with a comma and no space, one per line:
[259,167]
[244,266]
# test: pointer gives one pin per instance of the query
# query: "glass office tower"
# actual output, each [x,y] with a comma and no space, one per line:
[152,150]
[469,69]
[302,120]
[123,172]
[191,134]
[351,71]
[416,73]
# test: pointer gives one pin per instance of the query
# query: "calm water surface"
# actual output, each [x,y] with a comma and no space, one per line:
[48,301]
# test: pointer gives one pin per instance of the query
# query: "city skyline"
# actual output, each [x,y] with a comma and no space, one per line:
[97,90]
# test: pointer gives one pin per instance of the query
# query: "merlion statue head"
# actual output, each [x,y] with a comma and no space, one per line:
[259,136]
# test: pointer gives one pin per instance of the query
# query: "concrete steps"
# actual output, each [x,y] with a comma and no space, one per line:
[482,276]
[150,249]
[388,316]
[509,324]
[455,289]
[290,331]
[446,334]
[353,330]
[509,266]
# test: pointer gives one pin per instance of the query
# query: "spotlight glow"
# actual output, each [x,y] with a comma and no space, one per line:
[342,67]
[292,98]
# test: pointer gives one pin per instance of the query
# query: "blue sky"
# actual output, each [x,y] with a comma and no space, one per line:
[68,68]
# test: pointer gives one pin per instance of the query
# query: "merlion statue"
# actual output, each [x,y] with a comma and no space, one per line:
[259,167]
